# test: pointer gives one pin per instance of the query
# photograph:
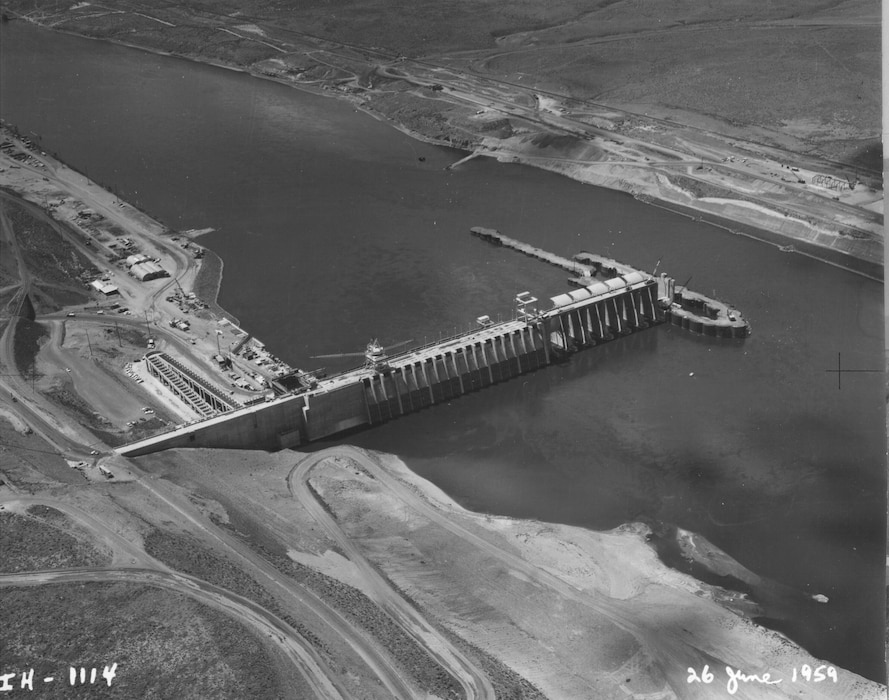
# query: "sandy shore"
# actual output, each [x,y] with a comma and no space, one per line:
[608,619]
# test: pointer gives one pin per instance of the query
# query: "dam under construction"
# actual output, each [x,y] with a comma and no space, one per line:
[609,300]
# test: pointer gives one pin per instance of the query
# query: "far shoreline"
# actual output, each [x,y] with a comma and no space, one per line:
[829,256]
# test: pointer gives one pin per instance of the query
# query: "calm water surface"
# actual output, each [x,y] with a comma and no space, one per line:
[333,231]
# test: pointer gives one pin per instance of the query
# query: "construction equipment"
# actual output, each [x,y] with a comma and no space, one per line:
[375,355]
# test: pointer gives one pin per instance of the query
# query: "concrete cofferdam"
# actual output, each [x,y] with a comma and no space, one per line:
[422,377]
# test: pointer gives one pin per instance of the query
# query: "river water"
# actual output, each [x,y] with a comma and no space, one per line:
[335,228]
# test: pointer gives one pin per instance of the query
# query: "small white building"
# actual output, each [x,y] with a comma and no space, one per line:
[105,287]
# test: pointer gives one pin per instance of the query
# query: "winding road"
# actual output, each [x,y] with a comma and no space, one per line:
[475,683]
[674,647]
[301,654]
[131,563]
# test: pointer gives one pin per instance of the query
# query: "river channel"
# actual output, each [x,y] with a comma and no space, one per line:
[335,228]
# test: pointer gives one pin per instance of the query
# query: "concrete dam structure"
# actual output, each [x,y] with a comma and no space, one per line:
[495,353]
[386,387]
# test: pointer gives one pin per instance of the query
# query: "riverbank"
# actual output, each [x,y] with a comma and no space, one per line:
[208,283]
[870,268]
[448,560]
[178,312]
[853,250]
[614,150]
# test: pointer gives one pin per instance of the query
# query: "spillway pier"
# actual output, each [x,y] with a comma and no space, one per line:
[622,302]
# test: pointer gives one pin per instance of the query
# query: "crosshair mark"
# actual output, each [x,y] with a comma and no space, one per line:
[840,371]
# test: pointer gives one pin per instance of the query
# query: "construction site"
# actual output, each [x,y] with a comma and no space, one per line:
[339,572]
[611,300]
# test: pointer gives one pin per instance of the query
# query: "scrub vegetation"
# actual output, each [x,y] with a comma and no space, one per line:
[165,645]
[48,256]
[29,336]
[31,545]
[187,555]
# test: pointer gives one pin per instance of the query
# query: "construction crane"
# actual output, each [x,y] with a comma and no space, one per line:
[375,355]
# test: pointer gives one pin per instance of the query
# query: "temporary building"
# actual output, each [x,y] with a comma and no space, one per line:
[105,287]
[148,270]
[136,259]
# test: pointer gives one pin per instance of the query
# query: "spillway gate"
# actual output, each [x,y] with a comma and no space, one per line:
[540,334]
[579,319]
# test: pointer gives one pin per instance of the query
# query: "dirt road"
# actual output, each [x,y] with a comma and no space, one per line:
[105,394]
[474,681]
[301,654]
[675,647]
[124,553]
[296,597]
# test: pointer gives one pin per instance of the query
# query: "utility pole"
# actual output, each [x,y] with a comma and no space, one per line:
[89,343]
[119,341]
